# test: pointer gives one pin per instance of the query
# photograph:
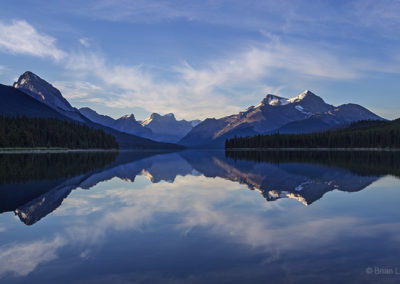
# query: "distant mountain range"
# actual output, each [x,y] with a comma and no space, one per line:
[167,128]
[163,128]
[304,113]
[125,123]
[32,96]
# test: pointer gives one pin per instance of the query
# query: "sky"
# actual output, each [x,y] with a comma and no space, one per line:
[200,59]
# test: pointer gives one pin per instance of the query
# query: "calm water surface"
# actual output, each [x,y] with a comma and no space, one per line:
[200,217]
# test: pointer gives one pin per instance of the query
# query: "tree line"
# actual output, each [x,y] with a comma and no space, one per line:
[34,132]
[364,163]
[363,134]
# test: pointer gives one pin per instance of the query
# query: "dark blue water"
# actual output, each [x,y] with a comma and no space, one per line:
[200,217]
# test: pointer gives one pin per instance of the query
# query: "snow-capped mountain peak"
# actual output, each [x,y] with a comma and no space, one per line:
[129,116]
[167,127]
[273,100]
[302,96]
[150,119]
[158,117]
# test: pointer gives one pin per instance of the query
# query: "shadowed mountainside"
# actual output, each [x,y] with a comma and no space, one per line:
[18,103]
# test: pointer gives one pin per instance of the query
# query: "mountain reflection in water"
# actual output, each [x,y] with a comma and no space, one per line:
[34,185]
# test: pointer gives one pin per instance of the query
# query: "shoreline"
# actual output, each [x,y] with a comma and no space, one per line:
[62,150]
[50,150]
[314,149]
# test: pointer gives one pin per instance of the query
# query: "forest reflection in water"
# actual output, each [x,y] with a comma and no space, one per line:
[360,162]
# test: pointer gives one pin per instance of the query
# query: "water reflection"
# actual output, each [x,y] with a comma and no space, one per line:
[35,185]
[189,217]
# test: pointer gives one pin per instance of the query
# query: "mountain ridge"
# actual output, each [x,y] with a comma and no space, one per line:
[32,96]
[126,123]
[304,113]
[167,127]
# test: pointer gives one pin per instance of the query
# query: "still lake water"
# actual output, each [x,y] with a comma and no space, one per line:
[200,217]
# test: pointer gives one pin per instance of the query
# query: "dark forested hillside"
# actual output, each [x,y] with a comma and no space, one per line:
[30,132]
[364,134]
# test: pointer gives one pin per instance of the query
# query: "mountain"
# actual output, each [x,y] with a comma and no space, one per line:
[16,103]
[162,128]
[336,118]
[96,117]
[129,124]
[157,127]
[126,123]
[167,128]
[33,97]
[302,114]
[34,86]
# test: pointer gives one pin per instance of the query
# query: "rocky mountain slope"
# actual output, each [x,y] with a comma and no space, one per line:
[34,97]
[302,114]
[34,86]
[126,123]
[167,128]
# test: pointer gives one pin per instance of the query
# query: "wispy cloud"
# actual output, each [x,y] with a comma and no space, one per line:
[211,90]
[200,207]
[23,258]
[287,16]
[138,87]
[77,90]
[216,87]
[85,42]
[19,37]
[377,13]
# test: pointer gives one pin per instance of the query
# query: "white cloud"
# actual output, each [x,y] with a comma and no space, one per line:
[200,206]
[140,88]
[23,258]
[382,14]
[76,90]
[19,37]
[297,17]
[84,42]
[211,90]
[137,10]
[216,88]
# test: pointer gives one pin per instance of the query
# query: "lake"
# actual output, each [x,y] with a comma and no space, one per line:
[200,217]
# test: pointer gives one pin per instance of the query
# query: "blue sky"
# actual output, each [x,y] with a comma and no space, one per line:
[202,59]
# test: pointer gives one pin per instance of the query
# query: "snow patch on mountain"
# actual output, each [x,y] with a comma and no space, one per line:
[301,109]
[299,97]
